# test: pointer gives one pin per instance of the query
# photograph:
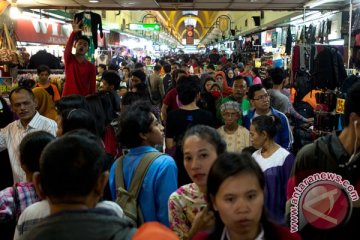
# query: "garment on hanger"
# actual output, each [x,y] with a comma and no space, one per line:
[328,26]
[311,34]
[355,29]
[328,69]
[323,31]
[102,59]
[288,41]
[318,30]
[298,34]
[95,24]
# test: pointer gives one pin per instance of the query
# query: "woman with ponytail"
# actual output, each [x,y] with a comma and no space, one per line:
[276,163]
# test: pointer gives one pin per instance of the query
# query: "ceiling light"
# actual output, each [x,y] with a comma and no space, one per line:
[315,3]
[14,12]
[94,1]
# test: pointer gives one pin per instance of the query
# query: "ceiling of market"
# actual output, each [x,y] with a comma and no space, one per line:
[215,5]
[171,10]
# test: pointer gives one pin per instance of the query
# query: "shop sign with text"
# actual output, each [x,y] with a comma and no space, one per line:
[189,35]
[39,31]
[145,26]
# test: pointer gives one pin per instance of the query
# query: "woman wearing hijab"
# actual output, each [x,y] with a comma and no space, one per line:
[221,79]
[45,105]
[230,77]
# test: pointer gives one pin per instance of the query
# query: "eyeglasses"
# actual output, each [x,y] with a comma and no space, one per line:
[262,97]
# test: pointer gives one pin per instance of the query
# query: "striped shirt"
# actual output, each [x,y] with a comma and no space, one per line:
[12,134]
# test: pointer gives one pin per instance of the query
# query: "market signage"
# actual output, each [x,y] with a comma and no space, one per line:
[101,41]
[114,39]
[38,31]
[145,26]
[189,35]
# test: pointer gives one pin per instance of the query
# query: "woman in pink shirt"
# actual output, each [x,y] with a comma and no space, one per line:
[256,78]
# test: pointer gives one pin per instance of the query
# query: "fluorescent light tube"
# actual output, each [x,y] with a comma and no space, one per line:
[315,3]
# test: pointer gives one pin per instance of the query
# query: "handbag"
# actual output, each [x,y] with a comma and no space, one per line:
[8,54]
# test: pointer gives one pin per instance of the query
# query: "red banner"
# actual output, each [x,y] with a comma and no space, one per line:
[40,31]
[113,39]
[189,35]
[101,41]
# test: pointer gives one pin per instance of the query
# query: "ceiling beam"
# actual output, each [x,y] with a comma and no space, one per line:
[117,8]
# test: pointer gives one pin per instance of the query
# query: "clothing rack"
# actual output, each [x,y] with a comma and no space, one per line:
[53,71]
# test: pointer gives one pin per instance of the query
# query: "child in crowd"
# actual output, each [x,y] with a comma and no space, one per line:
[100,70]
[44,72]
[111,83]
[14,200]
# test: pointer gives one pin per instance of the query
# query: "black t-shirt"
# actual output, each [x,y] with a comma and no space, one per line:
[177,123]
[180,120]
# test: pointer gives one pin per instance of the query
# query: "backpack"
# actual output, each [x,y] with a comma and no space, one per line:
[127,198]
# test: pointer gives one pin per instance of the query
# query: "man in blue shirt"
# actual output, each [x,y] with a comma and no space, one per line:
[260,100]
[140,131]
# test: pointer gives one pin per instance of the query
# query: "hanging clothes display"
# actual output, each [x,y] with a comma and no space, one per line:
[288,41]
[102,59]
[328,70]
[355,29]
[324,62]
[91,23]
